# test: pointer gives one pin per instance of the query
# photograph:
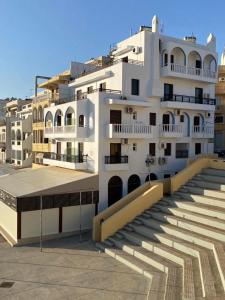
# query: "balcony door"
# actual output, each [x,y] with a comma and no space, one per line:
[199,95]
[166,119]
[80,151]
[168,91]
[115,117]
[115,149]
[69,151]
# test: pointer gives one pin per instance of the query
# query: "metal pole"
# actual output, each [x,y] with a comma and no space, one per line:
[80,218]
[41,223]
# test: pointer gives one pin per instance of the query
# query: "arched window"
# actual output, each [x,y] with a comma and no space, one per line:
[194,63]
[178,57]
[81,121]
[69,117]
[58,118]
[115,190]
[40,114]
[133,182]
[210,66]
[18,135]
[35,115]
[48,119]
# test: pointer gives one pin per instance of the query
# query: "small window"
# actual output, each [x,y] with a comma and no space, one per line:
[166,175]
[167,151]
[219,119]
[135,87]
[90,89]
[79,94]
[152,119]
[172,59]
[102,86]
[152,149]
[182,118]
[165,59]
[135,115]
[134,147]
[81,121]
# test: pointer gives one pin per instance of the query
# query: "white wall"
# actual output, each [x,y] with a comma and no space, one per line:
[8,220]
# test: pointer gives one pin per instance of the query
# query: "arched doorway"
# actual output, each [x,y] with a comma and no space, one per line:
[152,177]
[185,120]
[133,182]
[115,190]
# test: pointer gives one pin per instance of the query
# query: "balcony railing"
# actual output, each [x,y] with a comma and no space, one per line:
[203,131]
[171,128]
[60,129]
[131,128]
[116,159]
[181,153]
[188,99]
[66,157]
[190,70]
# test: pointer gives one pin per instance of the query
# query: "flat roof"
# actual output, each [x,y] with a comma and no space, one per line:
[47,181]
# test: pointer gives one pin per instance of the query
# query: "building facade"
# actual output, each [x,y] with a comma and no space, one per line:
[220,108]
[2,143]
[139,113]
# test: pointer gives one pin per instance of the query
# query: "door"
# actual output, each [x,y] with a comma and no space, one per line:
[168,92]
[69,151]
[198,95]
[58,151]
[196,121]
[115,190]
[166,119]
[115,153]
[115,117]
[80,151]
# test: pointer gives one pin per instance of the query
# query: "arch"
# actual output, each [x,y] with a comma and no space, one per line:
[168,118]
[69,116]
[186,124]
[178,56]
[13,135]
[209,65]
[115,190]
[40,115]
[48,119]
[35,115]
[81,121]
[164,58]
[58,121]
[198,122]
[18,135]
[134,182]
[194,63]
[153,177]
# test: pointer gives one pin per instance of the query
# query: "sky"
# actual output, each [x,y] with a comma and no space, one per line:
[42,37]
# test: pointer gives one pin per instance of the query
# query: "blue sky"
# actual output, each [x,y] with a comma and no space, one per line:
[43,36]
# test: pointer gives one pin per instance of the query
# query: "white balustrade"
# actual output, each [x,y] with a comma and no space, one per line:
[131,128]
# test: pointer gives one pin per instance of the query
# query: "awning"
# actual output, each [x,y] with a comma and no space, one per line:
[56,80]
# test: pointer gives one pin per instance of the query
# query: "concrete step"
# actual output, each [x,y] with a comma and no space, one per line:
[204,279]
[203,191]
[158,279]
[190,236]
[201,199]
[168,254]
[203,229]
[173,271]
[204,209]
[214,172]
[207,185]
[209,178]
[193,216]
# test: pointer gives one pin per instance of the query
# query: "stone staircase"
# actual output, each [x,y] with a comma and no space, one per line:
[179,242]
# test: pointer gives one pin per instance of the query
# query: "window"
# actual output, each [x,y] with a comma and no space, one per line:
[81,121]
[199,95]
[168,91]
[182,118]
[135,115]
[135,87]
[90,89]
[172,59]
[152,119]
[166,175]
[152,149]
[79,94]
[102,86]
[165,59]
[135,147]
[167,151]
[219,119]
[197,148]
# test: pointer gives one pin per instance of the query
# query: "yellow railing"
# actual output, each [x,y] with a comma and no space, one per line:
[41,147]
[122,212]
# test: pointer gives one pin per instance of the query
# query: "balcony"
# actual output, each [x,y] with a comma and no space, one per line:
[188,72]
[133,131]
[69,131]
[39,147]
[187,102]
[203,132]
[170,130]
[116,163]
[65,161]
[182,153]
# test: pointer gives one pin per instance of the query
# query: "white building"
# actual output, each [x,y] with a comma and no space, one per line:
[152,98]
[2,143]
[19,127]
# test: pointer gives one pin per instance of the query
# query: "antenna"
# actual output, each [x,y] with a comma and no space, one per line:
[162,27]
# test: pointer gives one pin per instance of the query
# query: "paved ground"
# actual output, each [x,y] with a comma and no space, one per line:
[66,269]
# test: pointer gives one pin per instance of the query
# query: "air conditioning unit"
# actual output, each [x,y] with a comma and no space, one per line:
[177,112]
[162,146]
[162,160]
[124,141]
[129,110]
[137,50]
[206,95]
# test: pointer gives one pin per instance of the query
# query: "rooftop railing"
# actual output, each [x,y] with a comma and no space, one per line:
[66,157]
[188,99]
